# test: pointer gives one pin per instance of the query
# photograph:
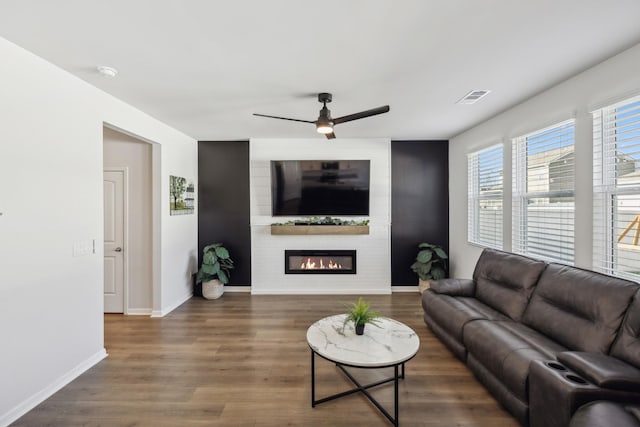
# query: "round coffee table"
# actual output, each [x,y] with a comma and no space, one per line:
[388,343]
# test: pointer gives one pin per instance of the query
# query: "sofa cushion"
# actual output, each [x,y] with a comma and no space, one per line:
[606,414]
[452,313]
[504,281]
[450,342]
[536,340]
[506,349]
[580,309]
[627,344]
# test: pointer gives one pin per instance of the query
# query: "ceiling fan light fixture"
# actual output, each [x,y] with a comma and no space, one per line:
[324,124]
[324,128]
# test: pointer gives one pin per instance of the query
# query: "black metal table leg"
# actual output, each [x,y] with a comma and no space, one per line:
[395,392]
[397,375]
[313,379]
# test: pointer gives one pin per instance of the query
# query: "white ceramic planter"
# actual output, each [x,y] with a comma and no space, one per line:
[213,289]
[423,285]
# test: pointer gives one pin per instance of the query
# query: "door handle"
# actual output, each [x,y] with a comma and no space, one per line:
[118,249]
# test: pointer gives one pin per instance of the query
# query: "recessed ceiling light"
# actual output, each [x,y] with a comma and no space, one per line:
[107,71]
[473,97]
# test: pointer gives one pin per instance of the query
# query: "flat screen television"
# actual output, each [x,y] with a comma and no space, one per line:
[320,187]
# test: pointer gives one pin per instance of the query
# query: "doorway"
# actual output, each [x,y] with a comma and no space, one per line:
[128,259]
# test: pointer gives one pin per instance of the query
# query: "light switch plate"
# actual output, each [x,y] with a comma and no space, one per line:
[82,248]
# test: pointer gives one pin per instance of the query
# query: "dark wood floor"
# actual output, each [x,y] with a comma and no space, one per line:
[243,361]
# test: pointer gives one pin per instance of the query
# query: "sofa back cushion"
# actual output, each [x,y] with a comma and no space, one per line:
[627,344]
[504,281]
[579,309]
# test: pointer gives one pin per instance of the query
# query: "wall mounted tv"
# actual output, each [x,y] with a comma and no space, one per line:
[320,187]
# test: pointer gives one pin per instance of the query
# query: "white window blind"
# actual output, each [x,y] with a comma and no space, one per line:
[484,217]
[616,189]
[543,193]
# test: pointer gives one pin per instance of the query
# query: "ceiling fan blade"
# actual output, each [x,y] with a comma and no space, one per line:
[330,135]
[362,114]
[283,118]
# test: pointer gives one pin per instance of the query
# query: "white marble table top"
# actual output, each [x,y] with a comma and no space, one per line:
[386,343]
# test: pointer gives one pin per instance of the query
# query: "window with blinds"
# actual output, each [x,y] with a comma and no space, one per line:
[616,189]
[484,215]
[543,193]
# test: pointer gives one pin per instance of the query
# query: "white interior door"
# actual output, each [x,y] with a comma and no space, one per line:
[114,228]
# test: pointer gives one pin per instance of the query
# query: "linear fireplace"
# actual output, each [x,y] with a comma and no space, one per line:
[320,261]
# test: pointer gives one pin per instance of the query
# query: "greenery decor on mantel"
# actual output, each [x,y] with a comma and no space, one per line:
[321,226]
[327,220]
[360,314]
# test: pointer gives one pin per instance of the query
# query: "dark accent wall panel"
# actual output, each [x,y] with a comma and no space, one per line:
[223,203]
[419,202]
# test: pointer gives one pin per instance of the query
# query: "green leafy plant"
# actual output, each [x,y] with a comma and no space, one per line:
[216,264]
[360,313]
[431,262]
[327,220]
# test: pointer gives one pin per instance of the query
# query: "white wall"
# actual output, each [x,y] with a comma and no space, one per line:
[373,250]
[122,150]
[51,321]
[612,80]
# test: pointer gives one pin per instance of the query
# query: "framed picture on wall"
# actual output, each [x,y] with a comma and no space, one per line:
[182,194]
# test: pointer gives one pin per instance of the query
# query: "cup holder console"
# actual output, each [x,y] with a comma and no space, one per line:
[556,366]
[556,391]
[576,379]
[566,373]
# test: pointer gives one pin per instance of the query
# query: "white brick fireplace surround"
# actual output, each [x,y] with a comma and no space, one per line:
[373,250]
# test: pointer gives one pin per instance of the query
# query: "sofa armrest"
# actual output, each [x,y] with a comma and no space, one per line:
[602,370]
[556,392]
[454,287]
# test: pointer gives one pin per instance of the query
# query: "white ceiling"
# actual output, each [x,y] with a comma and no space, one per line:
[204,66]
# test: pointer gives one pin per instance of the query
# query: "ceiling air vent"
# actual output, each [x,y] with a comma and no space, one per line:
[473,97]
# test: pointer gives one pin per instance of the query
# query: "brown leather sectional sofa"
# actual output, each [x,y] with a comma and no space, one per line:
[545,339]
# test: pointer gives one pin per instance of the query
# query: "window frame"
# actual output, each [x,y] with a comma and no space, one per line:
[606,188]
[521,197]
[475,197]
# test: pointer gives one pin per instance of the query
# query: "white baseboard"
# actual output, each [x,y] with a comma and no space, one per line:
[249,289]
[48,391]
[288,291]
[139,312]
[404,289]
[167,310]
[228,288]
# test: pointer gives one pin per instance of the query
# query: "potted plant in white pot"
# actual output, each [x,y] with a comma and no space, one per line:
[430,264]
[214,271]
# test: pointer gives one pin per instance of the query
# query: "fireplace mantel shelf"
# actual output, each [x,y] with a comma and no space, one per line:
[317,230]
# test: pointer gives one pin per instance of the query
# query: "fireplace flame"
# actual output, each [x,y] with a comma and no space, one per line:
[312,265]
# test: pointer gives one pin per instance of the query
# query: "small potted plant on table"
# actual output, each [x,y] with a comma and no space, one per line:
[430,264]
[360,314]
[214,272]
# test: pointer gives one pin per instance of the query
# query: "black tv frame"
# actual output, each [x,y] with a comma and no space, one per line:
[322,199]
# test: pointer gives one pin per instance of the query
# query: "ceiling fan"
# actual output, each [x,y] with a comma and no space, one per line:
[325,122]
